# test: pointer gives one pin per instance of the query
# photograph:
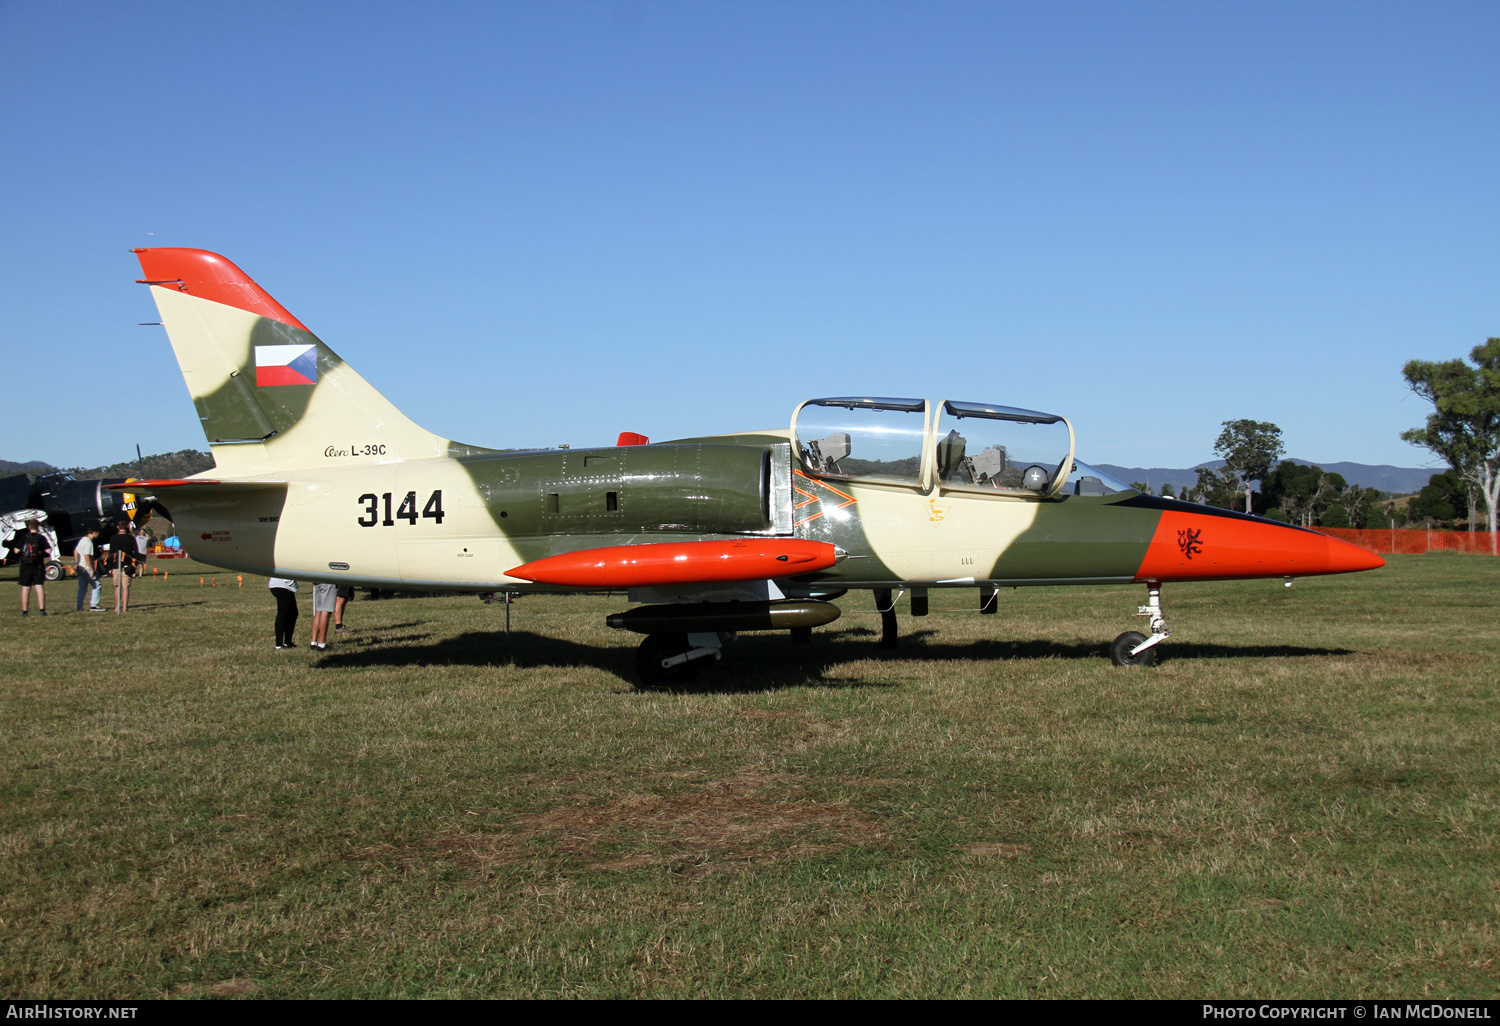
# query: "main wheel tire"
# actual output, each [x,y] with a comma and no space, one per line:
[53,571]
[1119,651]
[653,650]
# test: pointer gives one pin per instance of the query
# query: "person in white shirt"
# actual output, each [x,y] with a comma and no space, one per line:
[285,591]
[88,576]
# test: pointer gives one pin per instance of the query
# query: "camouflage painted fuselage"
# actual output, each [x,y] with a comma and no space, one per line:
[320,478]
[461,523]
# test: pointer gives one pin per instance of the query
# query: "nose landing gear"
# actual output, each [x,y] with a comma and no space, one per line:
[1135,649]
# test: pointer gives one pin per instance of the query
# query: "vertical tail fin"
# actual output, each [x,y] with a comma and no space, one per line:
[270,394]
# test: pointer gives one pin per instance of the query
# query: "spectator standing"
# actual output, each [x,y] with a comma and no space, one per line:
[323,606]
[285,592]
[122,560]
[31,551]
[344,595]
[88,573]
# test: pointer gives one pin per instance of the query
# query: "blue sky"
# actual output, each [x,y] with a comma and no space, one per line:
[541,223]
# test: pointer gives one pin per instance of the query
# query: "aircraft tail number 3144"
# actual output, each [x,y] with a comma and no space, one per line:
[320,478]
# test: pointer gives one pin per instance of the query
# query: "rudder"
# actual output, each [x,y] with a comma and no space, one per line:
[269,393]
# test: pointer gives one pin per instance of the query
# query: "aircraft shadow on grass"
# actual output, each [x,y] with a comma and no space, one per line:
[475,648]
[167,605]
[916,645]
[755,662]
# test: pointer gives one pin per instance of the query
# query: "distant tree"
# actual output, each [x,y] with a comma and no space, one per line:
[1166,491]
[1357,507]
[1141,486]
[1310,504]
[1464,427]
[1301,493]
[1358,504]
[1445,497]
[1249,448]
[1214,489]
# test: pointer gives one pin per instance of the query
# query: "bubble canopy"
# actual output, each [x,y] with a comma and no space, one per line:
[961,410]
[863,439]
[985,448]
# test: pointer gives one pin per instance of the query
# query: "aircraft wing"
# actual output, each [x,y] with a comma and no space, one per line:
[198,486]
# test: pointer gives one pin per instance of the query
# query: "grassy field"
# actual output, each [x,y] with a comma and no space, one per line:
[1301,800]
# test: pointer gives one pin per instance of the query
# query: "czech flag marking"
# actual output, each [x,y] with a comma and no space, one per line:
[286,365]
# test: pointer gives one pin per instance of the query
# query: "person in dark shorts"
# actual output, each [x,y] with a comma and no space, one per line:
[123,556]
[285,591]
[31,551]
[342,598]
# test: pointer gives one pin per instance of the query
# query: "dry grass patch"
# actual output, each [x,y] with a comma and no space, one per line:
[233,988]
[752,816]
[990,850]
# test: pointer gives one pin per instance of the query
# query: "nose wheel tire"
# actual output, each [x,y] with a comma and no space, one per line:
[53,571]
[648,662]
[1119,650]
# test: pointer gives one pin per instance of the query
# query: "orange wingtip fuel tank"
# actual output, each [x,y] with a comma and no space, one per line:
[694,562]
[1193,547]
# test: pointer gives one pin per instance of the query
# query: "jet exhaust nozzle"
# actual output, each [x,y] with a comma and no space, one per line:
[689,618]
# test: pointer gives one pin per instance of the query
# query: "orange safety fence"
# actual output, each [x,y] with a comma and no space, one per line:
[1414,540]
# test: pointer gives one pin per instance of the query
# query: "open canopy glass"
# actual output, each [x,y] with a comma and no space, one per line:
[866,439]
[983,446]
[955,446]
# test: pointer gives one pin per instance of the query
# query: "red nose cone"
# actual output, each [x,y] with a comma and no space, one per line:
[1347,557]
[1197,547]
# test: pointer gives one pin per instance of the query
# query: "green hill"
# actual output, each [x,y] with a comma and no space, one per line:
[162,465]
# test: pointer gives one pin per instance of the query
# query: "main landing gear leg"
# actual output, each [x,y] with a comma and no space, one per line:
[672,660]
[1135,649]
[886,604]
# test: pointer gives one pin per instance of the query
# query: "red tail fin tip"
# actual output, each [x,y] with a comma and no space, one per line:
[210,276]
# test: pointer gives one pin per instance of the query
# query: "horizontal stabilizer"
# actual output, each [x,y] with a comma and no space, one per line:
[697,562]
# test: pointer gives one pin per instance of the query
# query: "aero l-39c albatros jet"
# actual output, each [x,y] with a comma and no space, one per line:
[320,478]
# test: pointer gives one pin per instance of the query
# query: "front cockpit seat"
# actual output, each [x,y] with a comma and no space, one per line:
[826,453]
[950,458]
